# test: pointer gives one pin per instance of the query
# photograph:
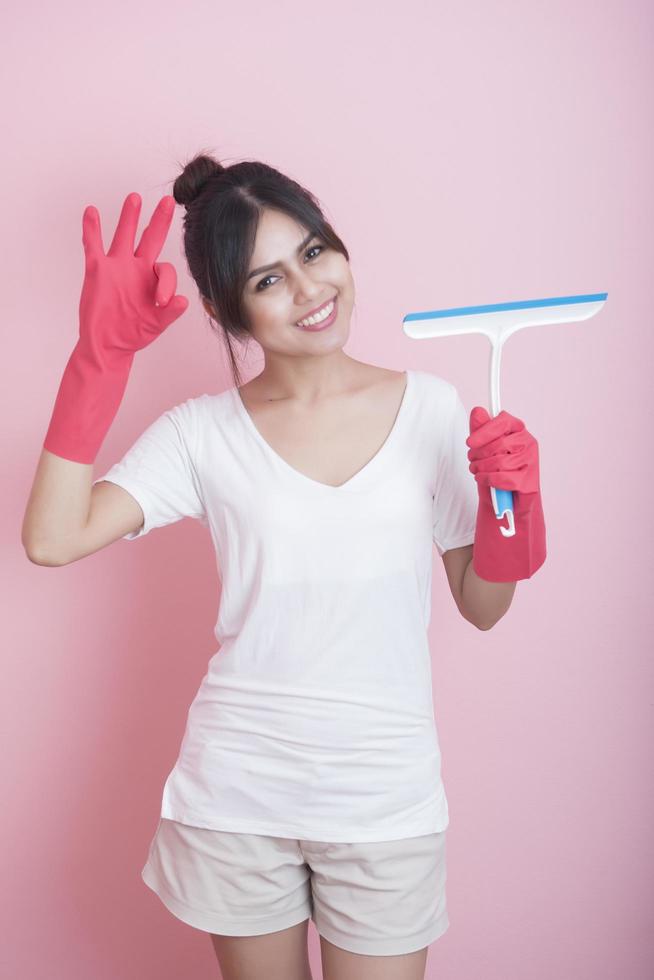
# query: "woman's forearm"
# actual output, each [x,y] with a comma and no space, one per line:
[485,602]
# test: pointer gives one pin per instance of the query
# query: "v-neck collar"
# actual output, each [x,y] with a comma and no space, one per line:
[365,470]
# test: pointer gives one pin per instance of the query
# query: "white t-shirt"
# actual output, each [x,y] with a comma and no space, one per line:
[315,717]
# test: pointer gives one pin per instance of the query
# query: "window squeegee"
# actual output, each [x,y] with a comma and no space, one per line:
[497,322]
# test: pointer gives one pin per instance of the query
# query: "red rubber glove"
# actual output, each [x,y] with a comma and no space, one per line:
[504,455]
[118,315]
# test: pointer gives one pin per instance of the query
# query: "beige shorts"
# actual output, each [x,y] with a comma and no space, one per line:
[381,898]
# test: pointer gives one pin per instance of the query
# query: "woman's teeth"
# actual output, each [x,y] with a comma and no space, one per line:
[317,317]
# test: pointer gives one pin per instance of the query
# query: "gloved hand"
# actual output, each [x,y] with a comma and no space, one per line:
[504,455]
[127,301]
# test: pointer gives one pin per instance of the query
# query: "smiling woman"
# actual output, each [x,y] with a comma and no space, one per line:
[248,219]
[308,292]
[308,780]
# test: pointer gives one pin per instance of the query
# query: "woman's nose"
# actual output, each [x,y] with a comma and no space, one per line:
[306,288]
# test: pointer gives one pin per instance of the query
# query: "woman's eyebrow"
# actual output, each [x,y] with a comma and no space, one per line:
[274,265]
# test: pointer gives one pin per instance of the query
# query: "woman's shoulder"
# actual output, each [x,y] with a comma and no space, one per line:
[426,385]
[433,385]
[193,414]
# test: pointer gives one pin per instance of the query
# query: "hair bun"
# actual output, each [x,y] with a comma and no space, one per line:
[194,177]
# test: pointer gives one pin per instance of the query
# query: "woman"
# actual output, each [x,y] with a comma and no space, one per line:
[308,781]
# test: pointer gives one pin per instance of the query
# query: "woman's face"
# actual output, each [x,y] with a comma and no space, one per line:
[299,280]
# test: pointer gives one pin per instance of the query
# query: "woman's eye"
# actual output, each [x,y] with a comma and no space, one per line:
[260,284]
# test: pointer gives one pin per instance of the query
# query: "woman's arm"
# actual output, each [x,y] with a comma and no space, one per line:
[67,518]
[482,603]
[485,601]
[128,299]
[58,506]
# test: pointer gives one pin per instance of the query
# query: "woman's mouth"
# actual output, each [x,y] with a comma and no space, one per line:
[323,318]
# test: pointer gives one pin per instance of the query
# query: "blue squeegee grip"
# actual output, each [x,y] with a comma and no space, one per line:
[503,507]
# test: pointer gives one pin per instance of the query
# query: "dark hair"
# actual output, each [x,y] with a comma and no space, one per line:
[223,207]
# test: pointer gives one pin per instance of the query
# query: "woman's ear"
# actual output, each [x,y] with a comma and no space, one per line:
[209,308]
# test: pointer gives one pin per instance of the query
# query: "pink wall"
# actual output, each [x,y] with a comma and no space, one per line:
[467,153]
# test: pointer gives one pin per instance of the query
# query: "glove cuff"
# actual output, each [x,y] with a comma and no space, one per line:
[499,559]
[89,395]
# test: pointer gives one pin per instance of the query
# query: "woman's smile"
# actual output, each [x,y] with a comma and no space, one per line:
[323,317]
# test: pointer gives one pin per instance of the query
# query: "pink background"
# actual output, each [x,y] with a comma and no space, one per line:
[467,153]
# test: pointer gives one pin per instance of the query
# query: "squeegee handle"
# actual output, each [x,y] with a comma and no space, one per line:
[502,499]
[503,507]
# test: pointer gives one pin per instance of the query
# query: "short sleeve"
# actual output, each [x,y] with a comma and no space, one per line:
[158,471]
[456,498]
